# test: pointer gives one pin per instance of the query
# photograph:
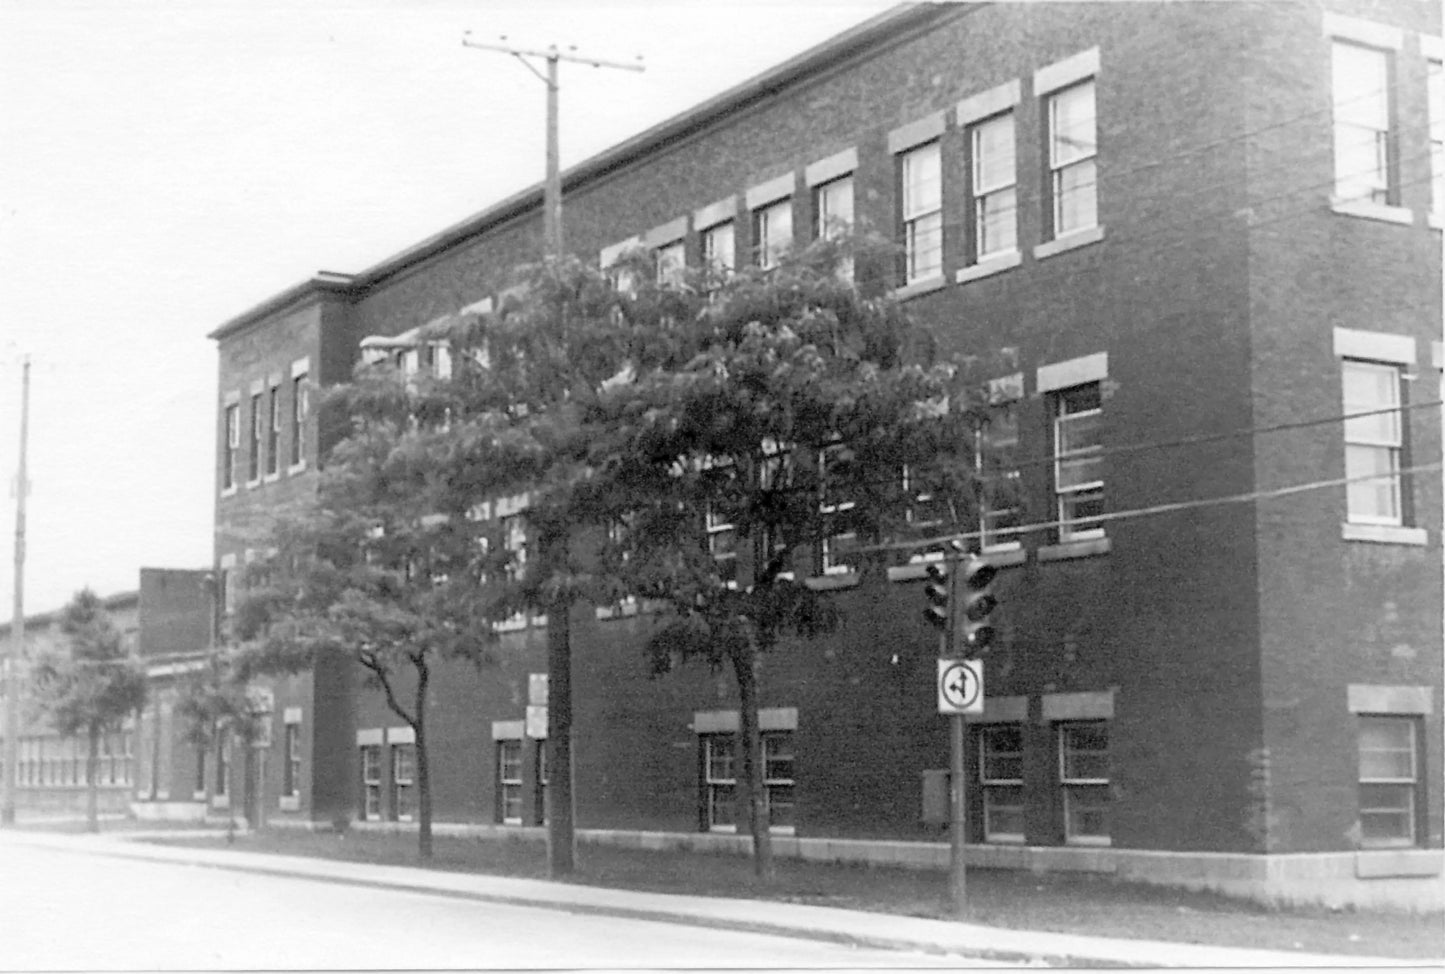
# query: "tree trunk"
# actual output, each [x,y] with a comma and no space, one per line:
[755,790]
[561,831]
[92,794]
[423,768]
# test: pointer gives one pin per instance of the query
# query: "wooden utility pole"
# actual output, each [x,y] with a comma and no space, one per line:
[17,619]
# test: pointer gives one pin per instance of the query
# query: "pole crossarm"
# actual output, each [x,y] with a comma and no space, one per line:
[551,54]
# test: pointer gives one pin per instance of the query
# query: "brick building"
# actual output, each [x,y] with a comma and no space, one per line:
[1210,231]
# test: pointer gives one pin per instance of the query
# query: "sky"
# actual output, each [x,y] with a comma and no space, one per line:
[165,166]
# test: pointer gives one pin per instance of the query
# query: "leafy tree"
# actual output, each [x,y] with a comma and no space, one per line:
[215,701]
[93,687]
[777,417]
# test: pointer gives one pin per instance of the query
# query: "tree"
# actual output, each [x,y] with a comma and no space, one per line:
[214,702]
[93,687]
[789,410]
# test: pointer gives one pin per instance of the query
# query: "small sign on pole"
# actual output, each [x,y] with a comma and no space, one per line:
[960,686]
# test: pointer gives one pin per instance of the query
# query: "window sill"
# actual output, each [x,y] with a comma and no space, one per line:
[989,266]
[723,829]
[511,821]
[509,625]
[1069,241]
[271,478]
[1004,556]
[1096,841]
[229,491]
[253,484]
[1004,839]
[295,468]
[924,286]
[1384,534]
[1404,860]
[828,583]
[1373,211]
[997,557]
[290,803]
[621,610]
[1074,549]
[220,801]
[198,796]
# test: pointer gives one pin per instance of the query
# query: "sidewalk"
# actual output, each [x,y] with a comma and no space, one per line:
[811,922]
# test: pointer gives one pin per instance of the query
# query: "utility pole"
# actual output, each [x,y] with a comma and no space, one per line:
[17,620]
[552,188]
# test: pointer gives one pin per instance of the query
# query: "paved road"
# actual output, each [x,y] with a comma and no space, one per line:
[68,911]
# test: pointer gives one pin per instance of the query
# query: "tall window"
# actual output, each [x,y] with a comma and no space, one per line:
[1002,482]
[371,781]
[299,404]
[403,782]
[833,215]
[1361,78]
[199,788]
[773,232]
[1078,462]
[1073,146]
[720,782]
[1001,773]
[1389,778]
[514,540]
[671,262]
[1373,443]
[1084,776]
[233,446]
[719,248]
[539,792]
[291,772]
[778,779]
[722,544]
[509,780]
[253,462]
[994,177]
[273,431]
[223,765]
[840,550]
[922,213]
[1436,84]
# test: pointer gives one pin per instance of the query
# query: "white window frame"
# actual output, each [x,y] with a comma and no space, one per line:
[773,232]
[999,193]
[1000,794]
[1391,445]
[300,407]
[716,529]
[1075,787]
[831,560]
[1063,165]
[1409,785]
[1354,134]
[1006,395]
[719,788]
[920,208]
[833,215]
[273,432]
[719,247]
[1435,99]
[776,782]
[291,774]
[371,802]
[229,469]
[1069,496]
[403,781]
[509,780]
[671,262]
[253,462]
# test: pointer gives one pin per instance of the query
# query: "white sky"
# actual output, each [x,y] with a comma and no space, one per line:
[165,166]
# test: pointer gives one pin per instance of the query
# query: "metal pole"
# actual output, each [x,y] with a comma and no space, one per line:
[957,780]
[553,190]
[17,620]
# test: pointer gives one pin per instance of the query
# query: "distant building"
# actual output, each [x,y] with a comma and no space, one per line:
[1211,231]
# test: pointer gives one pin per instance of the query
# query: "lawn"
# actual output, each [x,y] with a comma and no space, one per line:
[1060,902]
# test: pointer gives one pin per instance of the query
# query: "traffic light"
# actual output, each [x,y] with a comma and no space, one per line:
[936,591]
[978,602]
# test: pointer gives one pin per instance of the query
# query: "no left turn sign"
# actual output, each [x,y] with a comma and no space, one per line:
[960,686]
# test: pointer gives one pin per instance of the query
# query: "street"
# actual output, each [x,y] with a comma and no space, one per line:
[68,911]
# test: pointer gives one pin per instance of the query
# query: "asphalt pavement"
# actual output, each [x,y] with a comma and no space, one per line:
[851,927]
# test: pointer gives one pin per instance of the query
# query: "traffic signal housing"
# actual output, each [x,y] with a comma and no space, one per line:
[977,602]
[936,592]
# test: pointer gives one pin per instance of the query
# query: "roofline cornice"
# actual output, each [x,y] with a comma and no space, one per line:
[319,285]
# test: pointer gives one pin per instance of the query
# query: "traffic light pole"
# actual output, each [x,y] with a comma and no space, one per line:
[957,776]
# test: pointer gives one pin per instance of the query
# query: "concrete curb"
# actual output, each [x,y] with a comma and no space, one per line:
[946,939]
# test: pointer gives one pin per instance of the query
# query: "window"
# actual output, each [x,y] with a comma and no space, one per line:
[1361,79]
[775,473]
[371,781]
[671,262]
[922,213]
[1084,776]
[1073,173]
[773,232]
[200,782]
[839,551]
[722,544]
[719,248]
[233,446]
[1389,775]
[253,462]
[539,793]
[778,779]
[1001,773]
[273,432]
[1002,481]
[223,765]
[992,185]
[925,509]
[833,216]
[1436,82]
[291,772]
[514,540]
[1078,463]
[720,783]
[403,782]
[299,407]
[1373,443]
[509,780]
